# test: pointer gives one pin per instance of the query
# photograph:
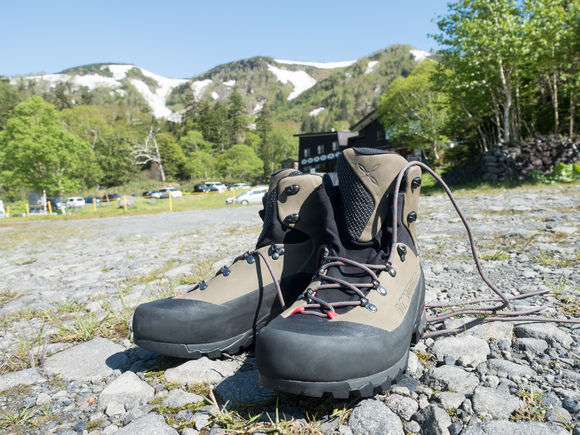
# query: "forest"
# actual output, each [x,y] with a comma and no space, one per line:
[506,70]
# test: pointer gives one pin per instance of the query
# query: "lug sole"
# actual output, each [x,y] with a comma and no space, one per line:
[212,350]
[359,387]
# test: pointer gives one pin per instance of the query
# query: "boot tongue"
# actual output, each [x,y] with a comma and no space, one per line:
[366,177]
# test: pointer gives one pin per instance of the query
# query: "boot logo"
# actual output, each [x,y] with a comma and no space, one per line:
[405,299]
[369,173]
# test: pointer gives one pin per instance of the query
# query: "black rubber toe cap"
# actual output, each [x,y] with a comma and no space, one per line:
[314,349]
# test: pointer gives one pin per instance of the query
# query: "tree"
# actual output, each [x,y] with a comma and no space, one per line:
[414,113]
[485,46]
[8,101]
[236,117]
[242,163]
[40,154]
[148,152]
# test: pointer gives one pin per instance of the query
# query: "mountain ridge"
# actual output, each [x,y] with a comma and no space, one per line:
[295,90]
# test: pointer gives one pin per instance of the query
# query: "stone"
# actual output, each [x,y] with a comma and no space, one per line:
[201,371]
[242,387]
[23,377]
[449,401]
[448,378]
[128,200]
[125,388]
[150,424]
[544,331]
[502,427]
[178,398]
[468,350]
[433,420]
[534,345]
[496,404]
[96,359]
[374,417]
[558,415]
[403,406]
[509,369]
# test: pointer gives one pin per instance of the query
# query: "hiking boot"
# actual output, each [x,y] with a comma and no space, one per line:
[224,313]
[350,331]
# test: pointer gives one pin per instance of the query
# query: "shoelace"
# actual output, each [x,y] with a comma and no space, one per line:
[490,313]
[250,257]
[317,304]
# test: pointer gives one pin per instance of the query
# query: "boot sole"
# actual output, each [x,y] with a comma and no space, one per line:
[213,350]
[359,387]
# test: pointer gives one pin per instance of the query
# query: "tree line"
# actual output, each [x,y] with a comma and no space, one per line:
[507,70]
[50,142]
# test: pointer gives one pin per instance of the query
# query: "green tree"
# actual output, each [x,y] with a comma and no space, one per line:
[484,47]
[414,113]
[62,99]
[40,154]
[236,117]
[199,165]
[242,163]
[8,100]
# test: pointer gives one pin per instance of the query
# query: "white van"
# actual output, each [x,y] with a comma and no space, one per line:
[75,202]
[221,187]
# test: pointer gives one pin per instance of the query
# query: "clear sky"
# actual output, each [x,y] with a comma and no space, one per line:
[181,39]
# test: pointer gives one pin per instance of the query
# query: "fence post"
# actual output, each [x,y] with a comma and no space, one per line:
[234,195]
[94,205]
[27,214]
[7,212]
[125,202]
[49,207]
[170,203]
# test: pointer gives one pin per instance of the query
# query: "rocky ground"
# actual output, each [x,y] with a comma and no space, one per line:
[68,287]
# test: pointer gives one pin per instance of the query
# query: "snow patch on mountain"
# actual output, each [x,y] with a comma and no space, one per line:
[229,83]
[420,55]
[371,66]
[198,87]
[316,111]
[300,79]
[259,107]
[215,95]
[155,98]
[321,65]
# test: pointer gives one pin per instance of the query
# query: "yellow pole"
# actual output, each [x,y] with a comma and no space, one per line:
[125,202]
[170,203]
[95,205]
[49,207]
[7,212]
[234,195]
[26,205]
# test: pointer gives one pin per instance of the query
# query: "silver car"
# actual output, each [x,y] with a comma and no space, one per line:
[252,196]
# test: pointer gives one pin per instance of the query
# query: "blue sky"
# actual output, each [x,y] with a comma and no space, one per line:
[181,39]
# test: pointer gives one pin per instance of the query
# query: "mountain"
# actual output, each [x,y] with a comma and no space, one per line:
[316,95]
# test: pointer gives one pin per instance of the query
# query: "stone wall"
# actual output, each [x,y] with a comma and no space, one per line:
[517,160]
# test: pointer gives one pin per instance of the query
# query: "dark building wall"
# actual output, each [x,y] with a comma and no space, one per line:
[318,152]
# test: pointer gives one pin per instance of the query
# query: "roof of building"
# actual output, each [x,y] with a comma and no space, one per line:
[373,116]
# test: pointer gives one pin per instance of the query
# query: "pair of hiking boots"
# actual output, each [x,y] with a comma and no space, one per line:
[333,294]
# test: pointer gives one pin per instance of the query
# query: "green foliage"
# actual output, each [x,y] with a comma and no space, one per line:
[240,162]
[561,173]
[413,112]
[40,154]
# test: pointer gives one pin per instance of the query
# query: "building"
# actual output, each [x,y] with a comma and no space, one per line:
[318,151]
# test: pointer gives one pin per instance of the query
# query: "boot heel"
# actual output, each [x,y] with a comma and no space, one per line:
[419,329]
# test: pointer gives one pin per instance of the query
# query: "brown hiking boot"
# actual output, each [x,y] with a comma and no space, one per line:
[224,313]
[350,331]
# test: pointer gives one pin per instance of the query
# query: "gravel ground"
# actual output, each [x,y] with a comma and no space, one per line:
[492,378]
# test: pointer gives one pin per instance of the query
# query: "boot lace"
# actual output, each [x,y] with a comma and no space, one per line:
[250,256]
[318,307]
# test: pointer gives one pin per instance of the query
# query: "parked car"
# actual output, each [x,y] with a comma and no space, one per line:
[91,199]
[201,188]
[221,187]
[55,204]
[75,202]
[152,194]
[111,197]
[252,196]
[241,186]
[165,191]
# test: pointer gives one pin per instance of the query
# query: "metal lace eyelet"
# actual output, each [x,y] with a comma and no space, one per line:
[225,271]
[250,259]
[202,285]
[392,271]
[416,182]
[293,189]
[402,250]
[381,290]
